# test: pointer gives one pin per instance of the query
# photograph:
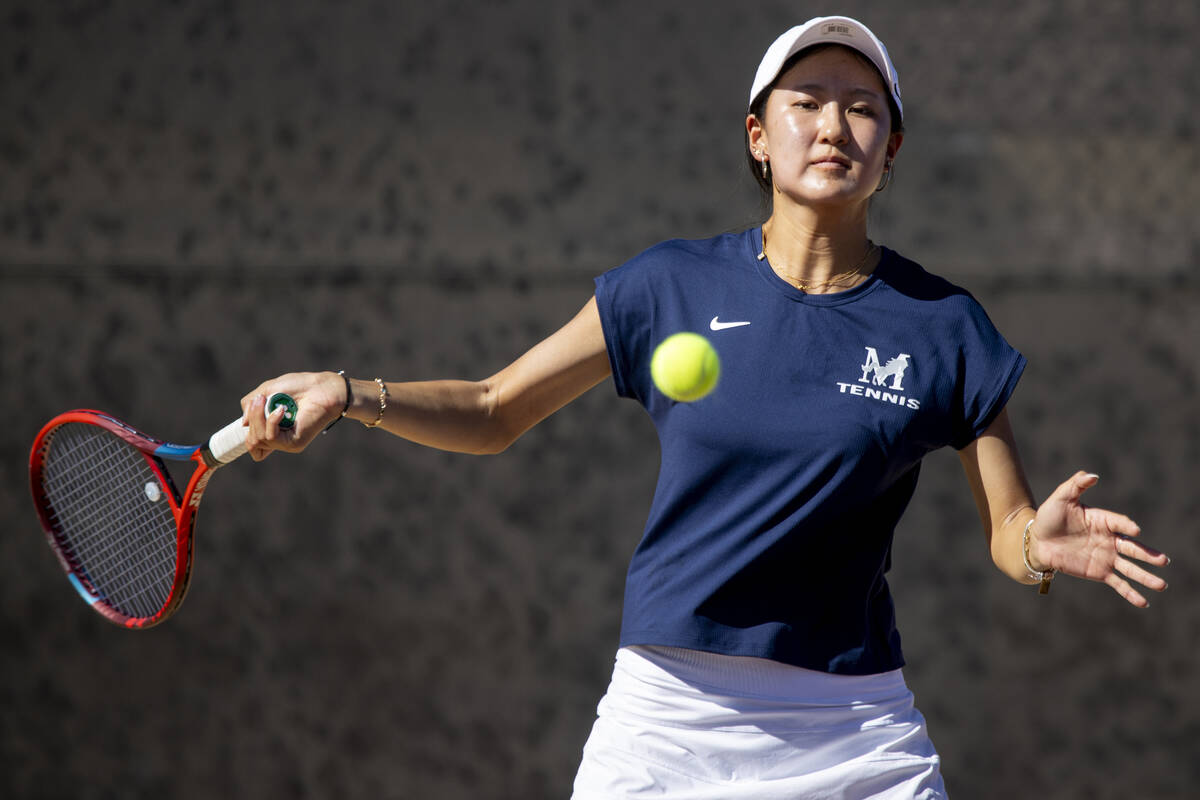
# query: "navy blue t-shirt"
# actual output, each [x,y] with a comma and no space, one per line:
[771,527]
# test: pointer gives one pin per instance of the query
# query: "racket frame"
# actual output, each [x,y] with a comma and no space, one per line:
[183,508]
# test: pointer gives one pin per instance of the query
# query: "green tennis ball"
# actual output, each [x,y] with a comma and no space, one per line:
[685,367]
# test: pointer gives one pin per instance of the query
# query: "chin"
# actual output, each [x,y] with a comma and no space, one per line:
[829,196]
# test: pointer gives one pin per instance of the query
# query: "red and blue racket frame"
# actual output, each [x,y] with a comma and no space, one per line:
[183,507]
[107,528]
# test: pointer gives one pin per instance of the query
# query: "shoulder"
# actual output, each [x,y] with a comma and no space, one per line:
[934,304]
[912,280]
[912,283]
[674,254]
[664,280]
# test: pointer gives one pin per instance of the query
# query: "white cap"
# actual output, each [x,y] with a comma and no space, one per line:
[827,30]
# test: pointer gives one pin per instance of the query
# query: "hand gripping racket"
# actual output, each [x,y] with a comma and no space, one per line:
[112,513]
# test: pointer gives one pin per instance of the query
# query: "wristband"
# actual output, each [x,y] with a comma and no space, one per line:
[345,407]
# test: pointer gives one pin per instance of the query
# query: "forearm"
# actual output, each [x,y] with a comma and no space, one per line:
[454,415]
[461,416]
[487,416]
[1002,495]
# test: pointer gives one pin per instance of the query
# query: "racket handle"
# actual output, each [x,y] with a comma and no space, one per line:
[229,443]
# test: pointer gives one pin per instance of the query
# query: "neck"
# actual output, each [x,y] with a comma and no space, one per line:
[805,248]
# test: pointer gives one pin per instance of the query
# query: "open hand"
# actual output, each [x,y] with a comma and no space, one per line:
[1092,543]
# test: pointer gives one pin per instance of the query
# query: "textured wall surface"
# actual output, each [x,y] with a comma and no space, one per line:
[198,195]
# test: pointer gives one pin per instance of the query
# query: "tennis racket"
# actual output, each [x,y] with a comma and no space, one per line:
[112,514]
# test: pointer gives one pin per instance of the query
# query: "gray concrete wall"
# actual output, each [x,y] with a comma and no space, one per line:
[194,196]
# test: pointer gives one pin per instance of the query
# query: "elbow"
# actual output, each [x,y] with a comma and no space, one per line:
[497,432]
[493,446]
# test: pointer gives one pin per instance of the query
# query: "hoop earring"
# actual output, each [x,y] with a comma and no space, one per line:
[763,162]
[887,176]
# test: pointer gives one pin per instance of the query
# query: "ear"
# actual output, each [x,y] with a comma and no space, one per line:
[756,134]
[893,146]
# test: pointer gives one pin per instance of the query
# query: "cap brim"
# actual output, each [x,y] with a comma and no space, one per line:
[844,31]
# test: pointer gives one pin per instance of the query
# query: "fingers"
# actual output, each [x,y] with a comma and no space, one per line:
[249,398]
[256,427]
[1135,572]
[1116,523]
[262,435]
[1073,487]
[1142,552]
[1139,574]
[1122,587]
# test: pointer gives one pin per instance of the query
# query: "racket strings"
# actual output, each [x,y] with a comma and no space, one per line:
[111,517]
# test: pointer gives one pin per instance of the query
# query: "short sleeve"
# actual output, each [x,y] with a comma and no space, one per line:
[989,370]
[626,302]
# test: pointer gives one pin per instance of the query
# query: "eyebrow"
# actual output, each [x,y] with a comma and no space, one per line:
[817,87]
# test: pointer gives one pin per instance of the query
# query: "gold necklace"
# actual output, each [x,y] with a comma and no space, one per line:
[837,280]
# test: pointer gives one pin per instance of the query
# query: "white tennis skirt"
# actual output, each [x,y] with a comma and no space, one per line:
[686,725]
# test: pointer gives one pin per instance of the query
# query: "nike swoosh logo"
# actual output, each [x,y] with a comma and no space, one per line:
[717,325]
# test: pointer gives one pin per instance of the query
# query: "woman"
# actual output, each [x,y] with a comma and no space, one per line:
[758,654]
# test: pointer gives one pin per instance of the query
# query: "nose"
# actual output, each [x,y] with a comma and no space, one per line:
[833,125]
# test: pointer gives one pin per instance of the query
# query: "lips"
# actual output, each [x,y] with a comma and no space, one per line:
[833,161]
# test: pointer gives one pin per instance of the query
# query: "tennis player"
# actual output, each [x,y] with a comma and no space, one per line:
[759,655]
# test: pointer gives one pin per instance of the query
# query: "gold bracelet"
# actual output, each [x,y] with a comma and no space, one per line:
[1044,576]
[383,396]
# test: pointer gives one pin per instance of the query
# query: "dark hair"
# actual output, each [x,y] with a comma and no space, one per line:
[759,107]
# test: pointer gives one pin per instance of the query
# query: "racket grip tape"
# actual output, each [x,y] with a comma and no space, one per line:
[229,443]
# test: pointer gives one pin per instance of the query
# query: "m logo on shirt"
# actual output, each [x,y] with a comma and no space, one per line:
[894,369]
[884,380]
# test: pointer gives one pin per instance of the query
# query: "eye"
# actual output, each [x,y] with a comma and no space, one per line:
[862,110]
[807,105]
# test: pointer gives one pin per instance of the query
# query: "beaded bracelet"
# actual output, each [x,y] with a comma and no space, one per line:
[383,396]
[345,407]
[1044,576]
